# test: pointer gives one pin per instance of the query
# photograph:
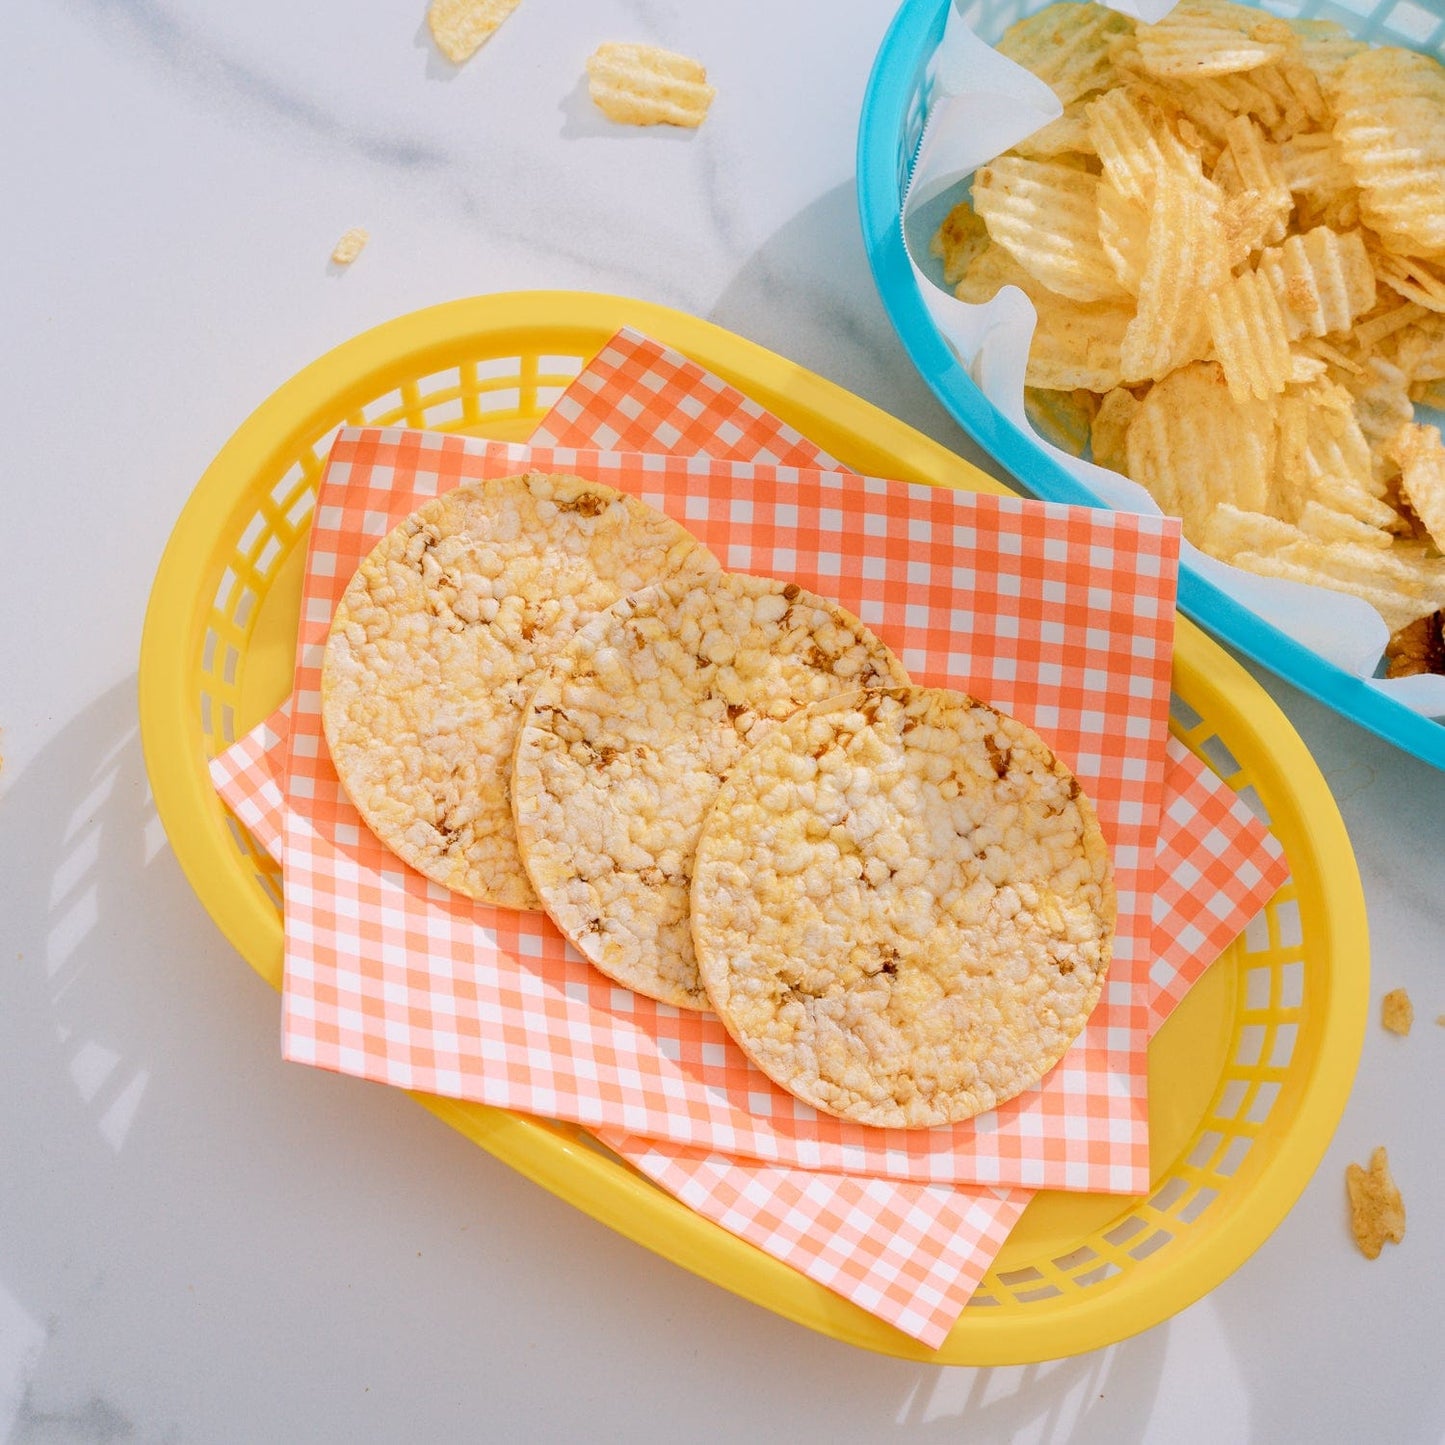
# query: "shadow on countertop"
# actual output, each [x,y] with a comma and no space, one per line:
[837,326]
[172,1188]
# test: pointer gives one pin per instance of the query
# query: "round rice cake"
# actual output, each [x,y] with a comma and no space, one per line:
[629,736]
[439,639]
[903,907]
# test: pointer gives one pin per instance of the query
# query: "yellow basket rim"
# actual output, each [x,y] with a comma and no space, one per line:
[425,341]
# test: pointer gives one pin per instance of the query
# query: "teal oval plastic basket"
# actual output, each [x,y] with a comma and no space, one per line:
[894,106]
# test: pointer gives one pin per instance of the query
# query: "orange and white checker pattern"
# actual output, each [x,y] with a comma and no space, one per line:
[912,1254]
[391,978]
[637,395]
[250,776]
[1208,886]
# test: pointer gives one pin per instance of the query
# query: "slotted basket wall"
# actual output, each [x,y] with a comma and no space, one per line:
[1247,1078]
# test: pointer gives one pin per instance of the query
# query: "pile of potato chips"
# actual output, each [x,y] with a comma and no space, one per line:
[1234,238]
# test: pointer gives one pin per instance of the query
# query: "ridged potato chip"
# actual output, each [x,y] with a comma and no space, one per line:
[1045,213]
[1195,111]
[1384,320]
[350,246]
[1107,439]
[1312,162]
[1313,166]
[1066,135]
[1391,129]
[1232,529]
[1325,524]
[1064,418]
[1419,347]
[461,27]
[1247,218]
[1323,453]
[1382,406]
[1325,46]
[1403,584]
[1413,279]
[1193,446]
[1397,1013]
[1247,328]
[1187,260]
[1067,46]
[1377,1212]
[1414,649]
[1076,344]
[988,271]
[1335,361]
[1429,394]
[1123,233]
[1200,38]
[1417,450]
[645,85]
[1323,280]
[1128,132]
[1284,99]
[958,241]
[1255,169]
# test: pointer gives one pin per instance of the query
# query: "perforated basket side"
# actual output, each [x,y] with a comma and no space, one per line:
[222,627]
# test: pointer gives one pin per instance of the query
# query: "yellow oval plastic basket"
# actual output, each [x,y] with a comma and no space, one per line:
[1247,1079]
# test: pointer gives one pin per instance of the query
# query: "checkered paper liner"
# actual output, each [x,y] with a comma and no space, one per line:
[911,1254]
[637,395]
[390,977]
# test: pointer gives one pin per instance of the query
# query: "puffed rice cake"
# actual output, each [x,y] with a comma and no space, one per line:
[629,736]
[439,639]
[903,907]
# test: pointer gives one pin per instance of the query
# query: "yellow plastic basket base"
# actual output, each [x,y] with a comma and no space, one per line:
[1247,1079]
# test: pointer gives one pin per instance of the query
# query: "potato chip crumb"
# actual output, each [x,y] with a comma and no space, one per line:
[1377,1212]
[644,85]
[461,27]
[1397,1013]
[1418,647]
[349,247]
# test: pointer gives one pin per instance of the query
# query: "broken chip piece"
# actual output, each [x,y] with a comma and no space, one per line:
[1397,1013]
[461,27]
[1377,1212]
[645,85]
[349,247]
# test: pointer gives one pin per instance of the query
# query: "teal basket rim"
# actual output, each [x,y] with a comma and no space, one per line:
[893,85]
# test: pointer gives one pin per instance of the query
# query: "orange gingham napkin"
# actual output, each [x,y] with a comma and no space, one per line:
[1061,616]
[911,1254]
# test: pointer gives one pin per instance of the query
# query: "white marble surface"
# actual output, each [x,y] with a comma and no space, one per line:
[200,1243]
